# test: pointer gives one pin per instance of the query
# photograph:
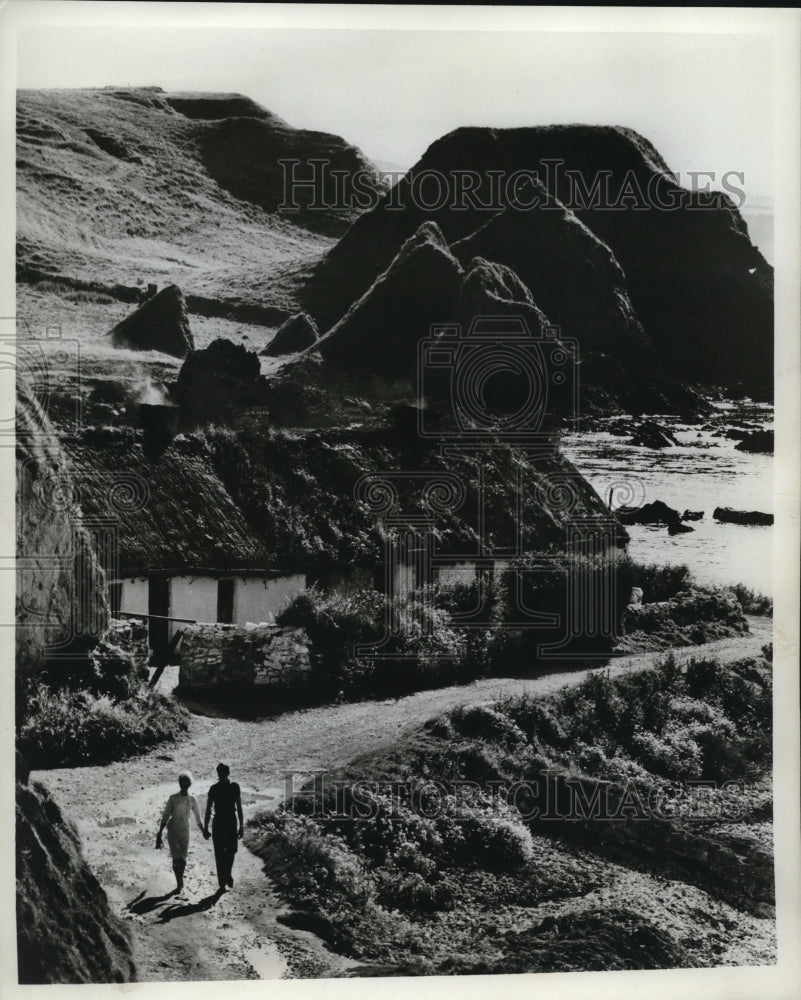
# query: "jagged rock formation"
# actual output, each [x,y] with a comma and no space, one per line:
[574,277]
[491,289]
[298,333]
[215,382]
[381,331]
[680,263]
[161,323]
[66,932]
[651,435]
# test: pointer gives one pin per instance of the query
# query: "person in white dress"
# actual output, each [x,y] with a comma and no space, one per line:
[176,818]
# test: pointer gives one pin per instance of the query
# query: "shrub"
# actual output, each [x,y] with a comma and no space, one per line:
[499,841]
[658,583]
[483,722]
[702,677]
[592,760]
[675,756]
[536,720]
[544,583]
[69,728]
[752,602]
[421,647]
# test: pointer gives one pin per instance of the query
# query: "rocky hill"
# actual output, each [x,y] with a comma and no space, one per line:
[612,248]
[66,932]
[128,186]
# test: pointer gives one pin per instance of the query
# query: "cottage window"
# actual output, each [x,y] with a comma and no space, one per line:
[225,601]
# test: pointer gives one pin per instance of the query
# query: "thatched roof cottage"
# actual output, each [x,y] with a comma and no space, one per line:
[181,547]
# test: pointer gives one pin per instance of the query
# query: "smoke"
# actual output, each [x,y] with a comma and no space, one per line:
[150,394]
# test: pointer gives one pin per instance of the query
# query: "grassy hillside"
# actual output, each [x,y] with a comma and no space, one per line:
[136,186]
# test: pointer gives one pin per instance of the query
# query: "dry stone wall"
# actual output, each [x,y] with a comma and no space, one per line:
[131,635]
[265,658]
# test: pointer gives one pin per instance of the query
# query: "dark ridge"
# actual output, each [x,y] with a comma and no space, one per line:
[698,287]
[214,107]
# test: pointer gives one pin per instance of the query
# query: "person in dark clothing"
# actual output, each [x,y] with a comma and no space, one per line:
[225,799]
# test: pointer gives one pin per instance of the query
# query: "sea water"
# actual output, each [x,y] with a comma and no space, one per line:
[705,471]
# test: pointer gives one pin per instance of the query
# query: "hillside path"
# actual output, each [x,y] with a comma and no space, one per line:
[196,936]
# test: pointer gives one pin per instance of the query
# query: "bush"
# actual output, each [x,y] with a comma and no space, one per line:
[418,646]
[69,728]
[485,723]
[702,677]
[658,583]
[537,721]
[498,841]
[752,602]
[105,669]
[674,756]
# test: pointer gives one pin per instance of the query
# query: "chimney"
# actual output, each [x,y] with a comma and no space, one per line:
[159,423]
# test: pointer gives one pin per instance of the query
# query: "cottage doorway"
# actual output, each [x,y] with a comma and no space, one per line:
[158,603]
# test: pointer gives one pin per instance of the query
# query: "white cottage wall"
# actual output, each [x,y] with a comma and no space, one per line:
[193,597]
[259,600]
[134,596]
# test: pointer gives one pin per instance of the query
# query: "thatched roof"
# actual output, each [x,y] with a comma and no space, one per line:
[173,512]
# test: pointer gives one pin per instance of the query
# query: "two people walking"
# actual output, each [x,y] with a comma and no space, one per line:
[227,827]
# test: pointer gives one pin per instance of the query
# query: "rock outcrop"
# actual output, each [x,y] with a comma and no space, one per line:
[216,382]
[66,932]
[381,331]
[726,515]
[758,442]
[574,277]
[298,333]
[651,435]
[160,323]
[492,289]
[699,289]
[650,513]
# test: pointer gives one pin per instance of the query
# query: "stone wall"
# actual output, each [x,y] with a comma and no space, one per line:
[130,634]
[264,658]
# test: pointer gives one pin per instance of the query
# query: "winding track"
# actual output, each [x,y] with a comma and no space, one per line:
[116,809]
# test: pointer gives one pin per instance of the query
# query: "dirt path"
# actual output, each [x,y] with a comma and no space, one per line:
[199,936]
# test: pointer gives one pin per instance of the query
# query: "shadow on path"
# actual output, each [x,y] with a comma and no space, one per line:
[143,904]
[184,910]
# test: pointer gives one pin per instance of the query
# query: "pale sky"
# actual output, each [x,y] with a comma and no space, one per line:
[704,100]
